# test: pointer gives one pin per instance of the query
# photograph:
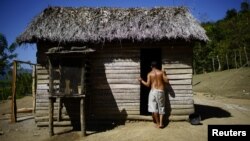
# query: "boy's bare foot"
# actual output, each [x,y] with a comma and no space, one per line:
[158,126]
[161,126]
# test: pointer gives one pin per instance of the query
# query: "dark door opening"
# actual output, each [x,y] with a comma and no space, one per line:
[147,56]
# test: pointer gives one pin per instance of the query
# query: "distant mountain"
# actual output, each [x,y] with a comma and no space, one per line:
[24,71]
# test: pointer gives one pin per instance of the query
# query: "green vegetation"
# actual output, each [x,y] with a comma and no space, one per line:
[24,79]
[5,89]
[6,54]
[229,44]
[23,85]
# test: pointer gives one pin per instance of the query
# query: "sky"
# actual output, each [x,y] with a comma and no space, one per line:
[15,15]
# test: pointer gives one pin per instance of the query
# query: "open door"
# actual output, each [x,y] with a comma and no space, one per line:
[147,56]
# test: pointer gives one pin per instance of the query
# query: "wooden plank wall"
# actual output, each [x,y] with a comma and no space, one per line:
[114,89]
[42,101]
[177,63]
[42,93]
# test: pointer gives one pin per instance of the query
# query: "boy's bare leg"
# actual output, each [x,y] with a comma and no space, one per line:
[156,117]
[153,117]
[161,121]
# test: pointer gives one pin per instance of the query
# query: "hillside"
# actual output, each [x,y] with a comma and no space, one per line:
[233,83]
[19,71]
[213,110]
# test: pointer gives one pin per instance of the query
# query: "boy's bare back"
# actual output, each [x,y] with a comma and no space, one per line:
[157,79]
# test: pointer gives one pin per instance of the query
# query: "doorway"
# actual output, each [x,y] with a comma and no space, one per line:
[147,56]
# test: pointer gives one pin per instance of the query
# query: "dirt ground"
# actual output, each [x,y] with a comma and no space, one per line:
[213,110]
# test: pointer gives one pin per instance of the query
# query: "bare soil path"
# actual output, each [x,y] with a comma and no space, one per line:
[213,110]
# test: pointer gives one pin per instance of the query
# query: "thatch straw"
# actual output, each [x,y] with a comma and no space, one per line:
[65,24]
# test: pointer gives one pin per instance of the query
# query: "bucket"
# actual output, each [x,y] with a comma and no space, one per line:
[195,119]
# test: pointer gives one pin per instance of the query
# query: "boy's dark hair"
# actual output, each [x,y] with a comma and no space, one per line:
[154,64]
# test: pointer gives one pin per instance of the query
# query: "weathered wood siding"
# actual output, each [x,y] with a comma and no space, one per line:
[42,92]
[177,63]
[42,89]
[113,87]
[69,108]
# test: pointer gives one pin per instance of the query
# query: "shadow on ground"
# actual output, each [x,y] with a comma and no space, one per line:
[102,125]
[207,112]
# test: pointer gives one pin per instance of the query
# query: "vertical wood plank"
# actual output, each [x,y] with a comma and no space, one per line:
[59,116]
[51,100]
[82,112]
[82,78]
[51,113]
[51,87]
[13,103]
[34,81]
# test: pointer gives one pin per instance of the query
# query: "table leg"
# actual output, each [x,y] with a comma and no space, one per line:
[82,115]
[59,116]
[51,113]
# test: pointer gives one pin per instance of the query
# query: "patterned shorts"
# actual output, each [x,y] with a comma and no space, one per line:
[156,101]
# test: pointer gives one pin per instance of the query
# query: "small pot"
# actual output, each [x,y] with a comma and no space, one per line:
[195,119]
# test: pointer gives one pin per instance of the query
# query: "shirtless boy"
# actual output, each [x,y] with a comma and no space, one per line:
[156,101]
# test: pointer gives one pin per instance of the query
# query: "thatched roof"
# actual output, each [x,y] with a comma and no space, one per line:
[66,24]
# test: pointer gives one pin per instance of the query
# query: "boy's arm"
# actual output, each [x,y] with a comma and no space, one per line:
[165,78]
[146,83]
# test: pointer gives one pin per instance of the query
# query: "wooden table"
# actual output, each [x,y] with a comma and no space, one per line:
[52,99]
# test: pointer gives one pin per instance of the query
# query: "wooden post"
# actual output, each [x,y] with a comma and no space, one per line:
[213,64]
[227,62]
[59,116]
[235,60]
[51,113]
[82,102]
[82,112]
[51,86]
[34,87]
[245,51]
[218,59]
[83,78]
[51,100]
[13,102]
[240,58]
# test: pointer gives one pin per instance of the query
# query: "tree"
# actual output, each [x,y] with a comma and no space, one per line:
[229,42]
[231,13]
[24,82]
[6,54]
[245,6]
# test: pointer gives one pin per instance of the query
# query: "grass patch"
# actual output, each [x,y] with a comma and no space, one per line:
[234,83]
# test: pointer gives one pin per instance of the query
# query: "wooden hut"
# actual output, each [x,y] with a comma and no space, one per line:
[115,46]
